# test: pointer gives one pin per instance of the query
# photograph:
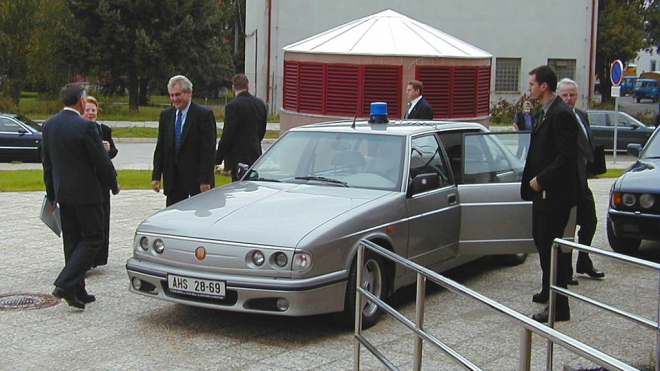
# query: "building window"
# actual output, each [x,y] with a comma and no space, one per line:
[507,72]
[565,68]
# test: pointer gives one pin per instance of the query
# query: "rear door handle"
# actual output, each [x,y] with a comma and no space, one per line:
[451,199]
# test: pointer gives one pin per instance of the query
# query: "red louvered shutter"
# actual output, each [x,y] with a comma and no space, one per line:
[483,91]
[311,88]
[291,69]
[437,88]
[342,89]
[456,91]
[464,97]
[382,84]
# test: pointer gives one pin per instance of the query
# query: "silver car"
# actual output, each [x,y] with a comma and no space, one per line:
[283,240]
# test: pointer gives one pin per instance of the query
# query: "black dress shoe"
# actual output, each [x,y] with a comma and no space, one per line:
[572,281]
[540,298]
[86,298]
[560,316]
[69,297]
[591,272]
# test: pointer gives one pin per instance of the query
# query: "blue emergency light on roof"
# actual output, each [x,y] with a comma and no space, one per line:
[378,113]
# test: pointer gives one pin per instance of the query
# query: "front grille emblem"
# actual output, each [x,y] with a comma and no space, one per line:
[200,253]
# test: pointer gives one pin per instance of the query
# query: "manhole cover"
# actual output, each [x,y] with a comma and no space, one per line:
[26,301]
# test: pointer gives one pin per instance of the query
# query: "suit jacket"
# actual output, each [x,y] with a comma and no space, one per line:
[194,161]
[586,148]
[77,170]
[422,110]
[244,129]
[106,134]
[552,159]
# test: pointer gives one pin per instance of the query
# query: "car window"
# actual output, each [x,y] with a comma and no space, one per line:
[488,160]
[426,157]
[627,121]
[9,126]
[597,119]
[357,160]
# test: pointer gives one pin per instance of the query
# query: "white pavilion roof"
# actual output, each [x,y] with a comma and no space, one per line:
[387,33]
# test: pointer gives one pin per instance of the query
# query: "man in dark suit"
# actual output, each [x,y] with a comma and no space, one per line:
[586,207]
[418,107]
[77,171]
[244,128]
[550,181]
[185,150]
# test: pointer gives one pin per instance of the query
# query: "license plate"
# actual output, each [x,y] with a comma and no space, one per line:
[196,286]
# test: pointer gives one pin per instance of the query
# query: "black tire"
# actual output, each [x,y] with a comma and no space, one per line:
[375,280]
[638,99]
[511,260]
[622,245]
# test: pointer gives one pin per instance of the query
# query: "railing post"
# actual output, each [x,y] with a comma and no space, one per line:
[420,301]
[358,306]
[525,350]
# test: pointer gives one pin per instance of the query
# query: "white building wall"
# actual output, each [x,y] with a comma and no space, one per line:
[533,30]
[648,61]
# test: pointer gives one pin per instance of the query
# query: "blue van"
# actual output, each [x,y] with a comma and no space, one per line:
[627,85]
[646,89]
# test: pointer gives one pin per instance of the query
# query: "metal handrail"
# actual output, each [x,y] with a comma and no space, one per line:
[563,244]
[528,325]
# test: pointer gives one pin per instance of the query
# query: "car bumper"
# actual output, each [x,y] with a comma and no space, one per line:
[635,225]
[309,296]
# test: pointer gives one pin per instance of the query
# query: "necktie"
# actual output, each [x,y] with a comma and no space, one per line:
[177,129]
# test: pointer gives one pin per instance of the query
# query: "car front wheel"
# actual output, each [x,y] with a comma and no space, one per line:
[622,245]
[374,280]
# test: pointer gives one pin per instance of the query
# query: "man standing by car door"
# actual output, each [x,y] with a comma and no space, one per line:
[77,171]
[418,107]
[244,128]
[550,181]
[586,207]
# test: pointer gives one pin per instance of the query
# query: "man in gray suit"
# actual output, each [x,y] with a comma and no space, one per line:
[77,172]
[586,207]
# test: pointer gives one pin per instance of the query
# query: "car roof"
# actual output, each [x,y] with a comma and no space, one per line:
[393,127]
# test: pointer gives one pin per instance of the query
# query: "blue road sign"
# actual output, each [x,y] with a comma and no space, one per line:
[616,72]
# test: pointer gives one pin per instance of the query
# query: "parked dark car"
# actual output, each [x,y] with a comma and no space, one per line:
[20,138]
[629,129]
[634,210]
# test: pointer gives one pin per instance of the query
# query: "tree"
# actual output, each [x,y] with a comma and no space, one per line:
[619,36]
[16,17]
[137,43]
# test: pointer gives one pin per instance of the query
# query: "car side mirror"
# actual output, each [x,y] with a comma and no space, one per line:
[634,149]
[422,183]
[22,132]
[241,170]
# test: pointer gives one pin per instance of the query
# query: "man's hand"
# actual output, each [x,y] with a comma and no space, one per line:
[106,145]
[534,184]
[118,189]
[204,187]
[155,185]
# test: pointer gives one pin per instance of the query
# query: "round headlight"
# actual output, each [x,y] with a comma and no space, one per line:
[647,200]
[159,246]
[281,260]
[628,199]
[144,243]
[258,258]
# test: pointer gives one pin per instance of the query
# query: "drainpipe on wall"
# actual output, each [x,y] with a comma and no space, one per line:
[592,58]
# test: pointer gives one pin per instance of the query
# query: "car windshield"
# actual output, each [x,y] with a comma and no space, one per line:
[371,161]
[652,147]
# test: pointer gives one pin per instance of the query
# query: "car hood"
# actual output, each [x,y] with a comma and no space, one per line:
[642,176]
[274,214]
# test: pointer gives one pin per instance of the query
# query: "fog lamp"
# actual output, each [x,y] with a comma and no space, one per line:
[137,283]
[282,304]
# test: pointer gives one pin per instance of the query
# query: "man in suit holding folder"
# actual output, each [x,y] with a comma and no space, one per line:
[77,171]
[586,206]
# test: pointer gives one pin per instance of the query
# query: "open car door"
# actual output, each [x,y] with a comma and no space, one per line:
[494,218]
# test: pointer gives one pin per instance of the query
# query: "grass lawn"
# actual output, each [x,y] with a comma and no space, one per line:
[32,180]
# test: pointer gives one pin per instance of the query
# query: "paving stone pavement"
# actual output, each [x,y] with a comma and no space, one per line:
[124,331]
